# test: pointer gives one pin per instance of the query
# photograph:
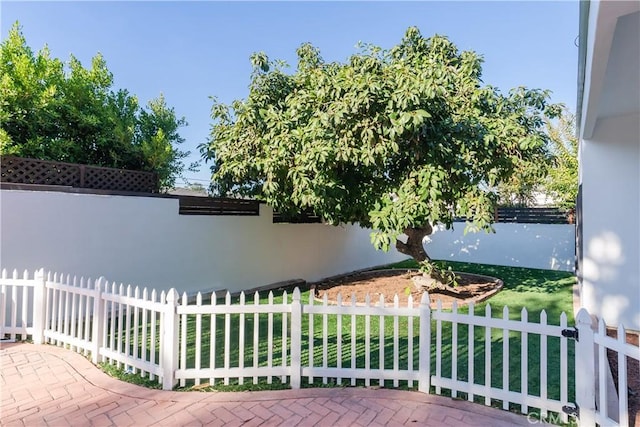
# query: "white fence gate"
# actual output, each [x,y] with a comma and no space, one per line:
[177,341]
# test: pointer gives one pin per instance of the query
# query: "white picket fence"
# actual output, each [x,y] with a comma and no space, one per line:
[173,340]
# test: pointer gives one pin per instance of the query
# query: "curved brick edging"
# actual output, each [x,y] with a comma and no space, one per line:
[433,301]
[43,384]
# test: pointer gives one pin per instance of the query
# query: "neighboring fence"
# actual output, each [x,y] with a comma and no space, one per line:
[174,340]
[194,205]
[303,218]
[44,172]
[533,215]
[520,215]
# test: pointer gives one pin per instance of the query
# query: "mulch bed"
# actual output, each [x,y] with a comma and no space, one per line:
[391,282]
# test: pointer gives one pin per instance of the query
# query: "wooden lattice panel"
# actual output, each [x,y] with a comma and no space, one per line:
[120,179]
[32,171]
[43,172]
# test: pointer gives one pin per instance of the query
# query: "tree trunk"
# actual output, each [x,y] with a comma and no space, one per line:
[414,247]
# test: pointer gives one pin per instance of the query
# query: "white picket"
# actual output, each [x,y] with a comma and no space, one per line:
[73,319]
[198,338]
[269,334]
[396,337]
[454,348]
[256,330]
[339,339]
[67,303]
[14,305]
[311,333]
[438,346]
[143,347]
[154,325]
[410,339]
[88,303]
[505,358]
[127,325]
[367,339]
[24,313]
[543,364]
[120,324]
[136,327]
[128,335]
[623,398]
[213,335]
[353,337]
[227,337]
[285,304]
[564,368]
[241,341]
[487,358]
[325,336]
[524,359]
[380,341]
[471,352]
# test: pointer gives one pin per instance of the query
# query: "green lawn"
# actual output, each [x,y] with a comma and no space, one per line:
[534,289]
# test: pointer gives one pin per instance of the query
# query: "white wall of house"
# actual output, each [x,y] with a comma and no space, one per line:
[143,241]
[611,227]
[546,246]
[610,160]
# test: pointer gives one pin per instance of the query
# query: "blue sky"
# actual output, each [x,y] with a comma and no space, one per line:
[190,51]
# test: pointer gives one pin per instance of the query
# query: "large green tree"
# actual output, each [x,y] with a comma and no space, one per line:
[397,140]
[66,112]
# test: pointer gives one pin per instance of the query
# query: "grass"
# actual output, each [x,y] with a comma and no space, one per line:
[532,289]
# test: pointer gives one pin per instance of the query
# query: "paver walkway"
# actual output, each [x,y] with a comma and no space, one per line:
[47,385]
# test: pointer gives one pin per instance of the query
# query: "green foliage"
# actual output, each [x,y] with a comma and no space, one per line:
[70,113]
[391,139]
[555,174]
[445,275]
[528,179]
[562,180]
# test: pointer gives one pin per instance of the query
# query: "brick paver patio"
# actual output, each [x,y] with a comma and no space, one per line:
[47,385]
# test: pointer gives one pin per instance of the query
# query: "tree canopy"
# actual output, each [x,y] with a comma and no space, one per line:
[556,177]
[562,180]
[397,140]
[65,112]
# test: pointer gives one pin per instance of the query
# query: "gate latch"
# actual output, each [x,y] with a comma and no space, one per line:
[574,411]
[570,333]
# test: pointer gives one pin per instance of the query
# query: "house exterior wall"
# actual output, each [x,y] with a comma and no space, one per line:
[144,241]
[545,246]
[610,163]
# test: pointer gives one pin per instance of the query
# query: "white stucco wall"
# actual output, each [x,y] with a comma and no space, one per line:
[610,163]
[545,246]
[143,241]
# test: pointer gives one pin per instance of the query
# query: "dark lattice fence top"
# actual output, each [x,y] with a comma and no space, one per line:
[21,170]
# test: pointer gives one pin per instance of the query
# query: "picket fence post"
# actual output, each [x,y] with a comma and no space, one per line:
[39,306]
[169,341]
[97,333]
[424,361]
[296,339]
[585,370]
